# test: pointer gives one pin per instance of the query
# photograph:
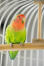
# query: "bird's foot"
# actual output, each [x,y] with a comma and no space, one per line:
[22,44]
[11,45]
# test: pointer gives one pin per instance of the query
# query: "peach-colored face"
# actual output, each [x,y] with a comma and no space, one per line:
[19,22]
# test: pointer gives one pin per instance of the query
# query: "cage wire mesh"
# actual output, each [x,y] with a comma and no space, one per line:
[8,10]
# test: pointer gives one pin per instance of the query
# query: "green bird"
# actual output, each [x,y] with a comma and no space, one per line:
[16,33]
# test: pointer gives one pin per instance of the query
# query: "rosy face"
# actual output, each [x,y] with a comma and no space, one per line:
[19,22]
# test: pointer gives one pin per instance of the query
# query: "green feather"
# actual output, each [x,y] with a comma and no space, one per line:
[13,54]
[12,36]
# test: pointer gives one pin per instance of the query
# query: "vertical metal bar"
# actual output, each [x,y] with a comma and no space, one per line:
[31,52]
[18,64]
[25,58]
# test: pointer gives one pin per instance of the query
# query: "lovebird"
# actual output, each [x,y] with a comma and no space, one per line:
[16,33]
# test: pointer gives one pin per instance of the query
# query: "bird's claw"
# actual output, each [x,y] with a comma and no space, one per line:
[11,45]
[21,44]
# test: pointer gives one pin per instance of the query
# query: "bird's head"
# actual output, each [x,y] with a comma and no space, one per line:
[19,22]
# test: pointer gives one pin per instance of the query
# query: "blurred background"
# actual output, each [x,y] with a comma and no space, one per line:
[8,10]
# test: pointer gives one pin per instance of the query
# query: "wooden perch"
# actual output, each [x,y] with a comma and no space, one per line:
[37,2]
[39,20]
[27,46]
[36,44]
[40,3]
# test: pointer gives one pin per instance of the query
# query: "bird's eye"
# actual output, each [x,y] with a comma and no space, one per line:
[22,21]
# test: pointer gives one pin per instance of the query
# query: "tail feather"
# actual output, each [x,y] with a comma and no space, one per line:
[13,54]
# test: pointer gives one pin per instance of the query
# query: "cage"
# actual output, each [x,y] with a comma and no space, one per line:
[8,10]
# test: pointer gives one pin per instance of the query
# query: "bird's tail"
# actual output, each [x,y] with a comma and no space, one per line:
[13,54]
